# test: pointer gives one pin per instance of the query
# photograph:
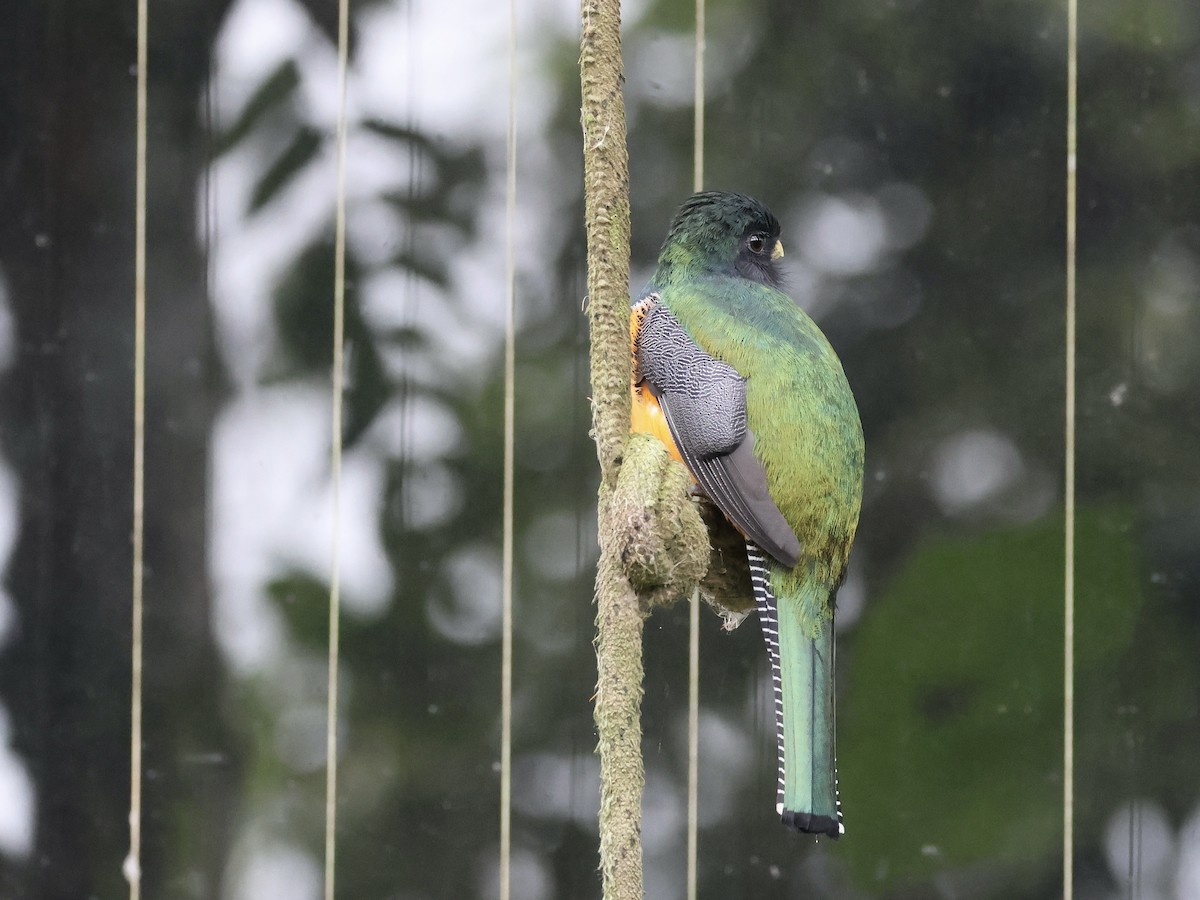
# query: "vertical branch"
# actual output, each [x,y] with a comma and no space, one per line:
[606,208]
[619,615]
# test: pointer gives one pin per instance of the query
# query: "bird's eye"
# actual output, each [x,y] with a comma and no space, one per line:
[757,243]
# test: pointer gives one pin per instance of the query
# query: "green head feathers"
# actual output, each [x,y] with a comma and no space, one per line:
[721,232]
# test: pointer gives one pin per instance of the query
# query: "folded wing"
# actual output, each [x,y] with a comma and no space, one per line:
[704,402]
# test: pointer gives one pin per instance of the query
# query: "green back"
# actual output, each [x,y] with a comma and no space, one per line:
[799,406]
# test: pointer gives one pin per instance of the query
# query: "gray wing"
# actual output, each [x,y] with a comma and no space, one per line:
[704,401]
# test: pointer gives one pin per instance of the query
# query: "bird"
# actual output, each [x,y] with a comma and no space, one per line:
[745,390]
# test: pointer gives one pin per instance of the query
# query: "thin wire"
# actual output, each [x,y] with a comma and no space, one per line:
[133,862]
[1069,463]
[335,461]
[698,103]
[510,355]
[693,813]
[1136,881]
[1130,878]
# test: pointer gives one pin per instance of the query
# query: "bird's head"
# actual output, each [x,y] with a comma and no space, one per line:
[718,231]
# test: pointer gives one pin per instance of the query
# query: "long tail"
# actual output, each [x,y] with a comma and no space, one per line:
[802,674]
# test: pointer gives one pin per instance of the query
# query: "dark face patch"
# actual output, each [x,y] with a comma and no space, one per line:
[754,256]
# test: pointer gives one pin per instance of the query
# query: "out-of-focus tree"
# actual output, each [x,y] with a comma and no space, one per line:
[914,152]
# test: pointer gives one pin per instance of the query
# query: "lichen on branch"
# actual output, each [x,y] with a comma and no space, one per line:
[655,525]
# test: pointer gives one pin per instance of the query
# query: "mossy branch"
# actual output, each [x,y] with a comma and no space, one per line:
[606,211]
[653,545]
[618,612]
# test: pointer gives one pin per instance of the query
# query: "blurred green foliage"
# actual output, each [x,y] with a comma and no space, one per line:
[957,672]
[951,702]
[949,319]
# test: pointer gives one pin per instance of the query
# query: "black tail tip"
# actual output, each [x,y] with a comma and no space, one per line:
[812,823]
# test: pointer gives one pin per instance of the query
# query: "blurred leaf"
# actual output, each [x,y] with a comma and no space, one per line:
[304,147]
[450,178]
[325,15]
[303,302]
[303,599]
[304,602]
[278,87]
[368,387]
[427,266]
[304,317]
[453,206]
[951,732]
[406,337]
[402,133]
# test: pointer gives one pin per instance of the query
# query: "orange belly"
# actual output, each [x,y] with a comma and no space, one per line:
[647,418]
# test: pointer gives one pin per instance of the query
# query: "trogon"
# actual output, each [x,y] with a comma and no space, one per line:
[747,393]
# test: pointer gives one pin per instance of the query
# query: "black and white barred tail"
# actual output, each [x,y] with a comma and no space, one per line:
[802,681]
